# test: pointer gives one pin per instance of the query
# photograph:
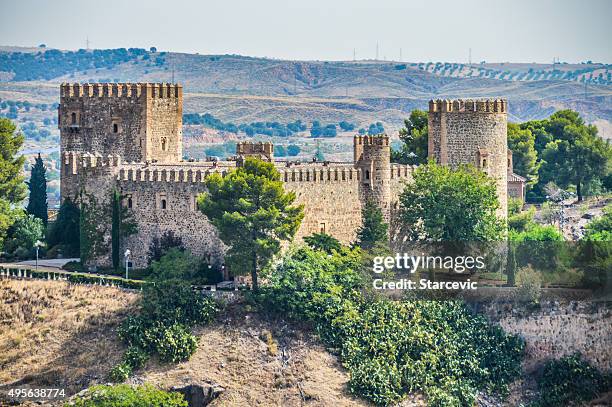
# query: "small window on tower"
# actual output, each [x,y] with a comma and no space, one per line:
[115,128]
[367,174]
[484,163]
[129,202]
[164,143]
[73,118]
[321,227]
[163,204]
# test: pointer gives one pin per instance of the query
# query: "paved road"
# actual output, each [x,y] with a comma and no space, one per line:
[50,263]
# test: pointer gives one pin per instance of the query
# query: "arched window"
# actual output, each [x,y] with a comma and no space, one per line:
[129,202]
[484,163]
[73,118]
[163,204]
[115,128]
[163,143]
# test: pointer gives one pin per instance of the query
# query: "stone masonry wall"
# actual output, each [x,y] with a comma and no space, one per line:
[472,132]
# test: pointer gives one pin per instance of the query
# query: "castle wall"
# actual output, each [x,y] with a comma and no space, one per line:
[331,196]
[163,200]
[472,132]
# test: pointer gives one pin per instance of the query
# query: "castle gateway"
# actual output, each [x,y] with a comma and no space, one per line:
[128,137]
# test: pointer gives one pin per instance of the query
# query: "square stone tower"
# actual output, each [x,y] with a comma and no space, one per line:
[134,122]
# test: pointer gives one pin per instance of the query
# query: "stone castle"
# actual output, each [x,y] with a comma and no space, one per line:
[128,137]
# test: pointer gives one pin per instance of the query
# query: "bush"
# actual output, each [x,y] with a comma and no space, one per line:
[393,347]
[135,357]
[168,309]
[174,344]
[570,381]
[529,284]
[120,373]
[127,396]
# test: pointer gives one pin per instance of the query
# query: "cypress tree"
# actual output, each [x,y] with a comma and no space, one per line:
[37,185]
[116,228]
[374,229]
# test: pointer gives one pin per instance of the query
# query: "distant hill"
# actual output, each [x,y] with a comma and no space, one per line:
[241,89]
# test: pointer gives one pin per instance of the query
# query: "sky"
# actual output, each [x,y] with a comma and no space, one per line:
[439,30]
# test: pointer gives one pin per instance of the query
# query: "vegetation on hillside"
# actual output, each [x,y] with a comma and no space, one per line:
[51,63]
[570,381]
[392,348]
[168,309]
[128,396]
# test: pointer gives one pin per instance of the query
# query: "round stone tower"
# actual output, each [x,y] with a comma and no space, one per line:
[373,156]
[472,132]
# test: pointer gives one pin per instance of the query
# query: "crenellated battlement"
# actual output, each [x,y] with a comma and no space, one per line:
[167,175]
[120,90]
[376,140]
[402,170]
[321,174]
[74,160]
[468,105]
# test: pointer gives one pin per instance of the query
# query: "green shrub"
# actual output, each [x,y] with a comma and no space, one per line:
[570,381]
[529,284]
[120,373]
[127,396]
[393,347]
[174,301]
[168,310]
[135,357]
[175,344]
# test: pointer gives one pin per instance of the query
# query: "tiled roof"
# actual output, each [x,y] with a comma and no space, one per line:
[512,177]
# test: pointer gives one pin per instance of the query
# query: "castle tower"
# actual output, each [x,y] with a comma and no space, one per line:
[263,151]
[472,132]
[135,122]
[373,156]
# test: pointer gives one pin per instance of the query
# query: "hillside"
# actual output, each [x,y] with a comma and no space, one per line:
[73,332]
[53,334]
[240,89]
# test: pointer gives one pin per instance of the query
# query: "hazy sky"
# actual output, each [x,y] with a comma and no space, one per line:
[439,30]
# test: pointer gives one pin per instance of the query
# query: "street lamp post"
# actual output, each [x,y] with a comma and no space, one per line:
[38,244]
[127,257]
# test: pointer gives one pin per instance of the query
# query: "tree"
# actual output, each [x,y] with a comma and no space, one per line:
[12,187]
[23,235]
[122,226]
[65,230]
[324,242]
[524,156]
[443,204]
[161,245]
[92,230]
[319,154]
[175,264]
[373,229]
[577,160]
[414,135]
[293,150]
[37,204]
[252,214]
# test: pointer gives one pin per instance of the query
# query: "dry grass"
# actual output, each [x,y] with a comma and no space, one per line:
[259,362]
[59,335]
